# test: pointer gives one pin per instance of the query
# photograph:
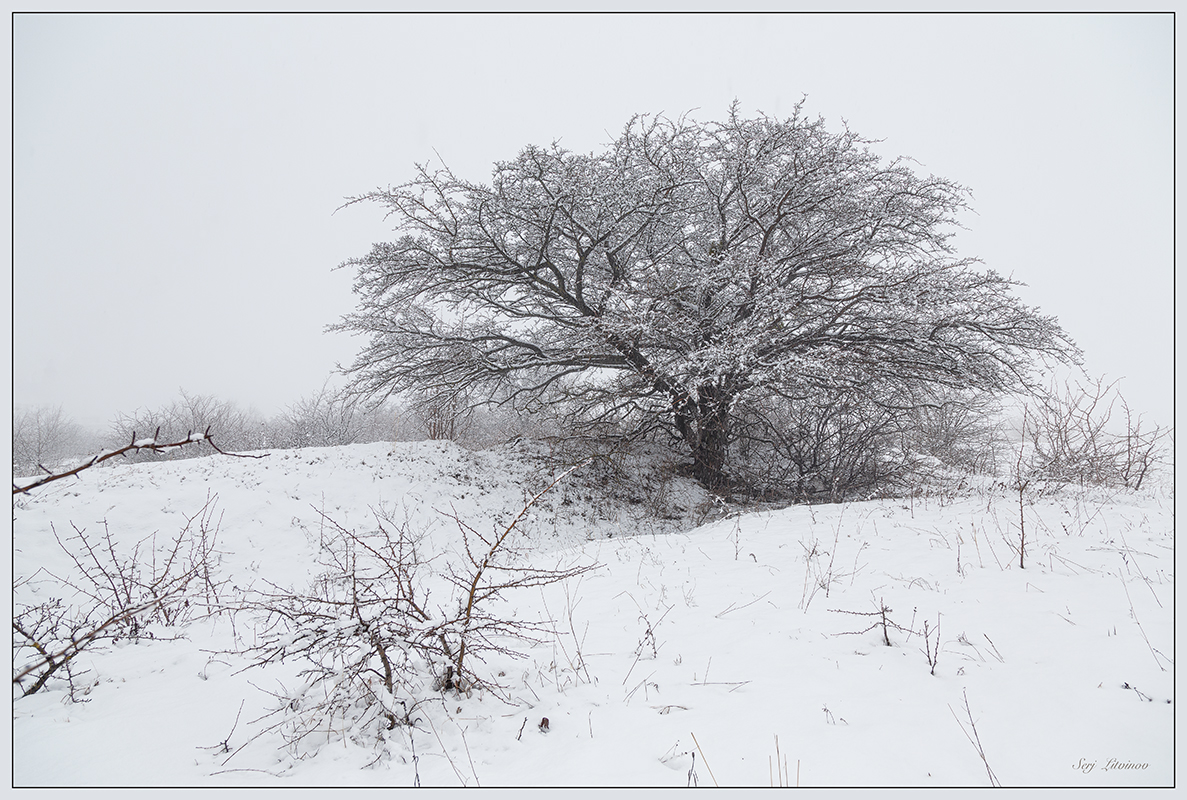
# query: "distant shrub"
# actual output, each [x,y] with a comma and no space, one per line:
[1086,433]
[44,437]
[329,419]
[191,413]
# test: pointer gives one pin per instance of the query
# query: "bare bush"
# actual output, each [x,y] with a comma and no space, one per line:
[322,419]
[962,431]
[43,438]
[441,415]
[328,418]
[364,631]
[475,422]
[1075,434]
[493,566]
[373,643]
[837,446]
[113,592]
[828,448]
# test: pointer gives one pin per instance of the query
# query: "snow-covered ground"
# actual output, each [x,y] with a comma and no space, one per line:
[748,651]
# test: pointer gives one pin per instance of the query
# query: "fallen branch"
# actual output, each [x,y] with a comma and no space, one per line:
[135,446]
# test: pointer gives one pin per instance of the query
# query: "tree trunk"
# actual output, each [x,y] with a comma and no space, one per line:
[704,424]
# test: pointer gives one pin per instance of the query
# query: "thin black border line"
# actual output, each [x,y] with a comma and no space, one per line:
[12,191]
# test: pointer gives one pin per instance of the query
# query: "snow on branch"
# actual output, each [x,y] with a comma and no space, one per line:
[136,445]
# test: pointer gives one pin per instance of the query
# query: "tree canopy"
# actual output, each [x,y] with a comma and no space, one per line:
[686,268]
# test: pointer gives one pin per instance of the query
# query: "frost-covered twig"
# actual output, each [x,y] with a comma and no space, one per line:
[478,587]
[884,622]
[371,644]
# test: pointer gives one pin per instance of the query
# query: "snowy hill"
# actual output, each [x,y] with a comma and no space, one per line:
[749,651]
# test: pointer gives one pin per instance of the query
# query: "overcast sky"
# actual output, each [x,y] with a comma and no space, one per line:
[175,177]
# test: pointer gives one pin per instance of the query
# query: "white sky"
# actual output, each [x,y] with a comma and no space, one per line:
[175,177]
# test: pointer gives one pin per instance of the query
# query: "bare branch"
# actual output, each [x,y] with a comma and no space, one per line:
[136,445]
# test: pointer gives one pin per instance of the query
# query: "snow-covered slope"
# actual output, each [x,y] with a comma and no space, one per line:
[691,654]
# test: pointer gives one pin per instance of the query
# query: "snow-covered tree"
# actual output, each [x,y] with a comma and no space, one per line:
[685,268]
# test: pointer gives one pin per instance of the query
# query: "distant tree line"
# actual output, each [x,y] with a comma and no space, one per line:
[1076,432]
[45,438]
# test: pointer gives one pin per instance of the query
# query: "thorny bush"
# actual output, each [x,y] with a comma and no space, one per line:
[373,641]
[112,592]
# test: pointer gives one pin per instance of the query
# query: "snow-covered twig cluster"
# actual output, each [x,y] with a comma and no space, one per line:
[112,595]
[373,644]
